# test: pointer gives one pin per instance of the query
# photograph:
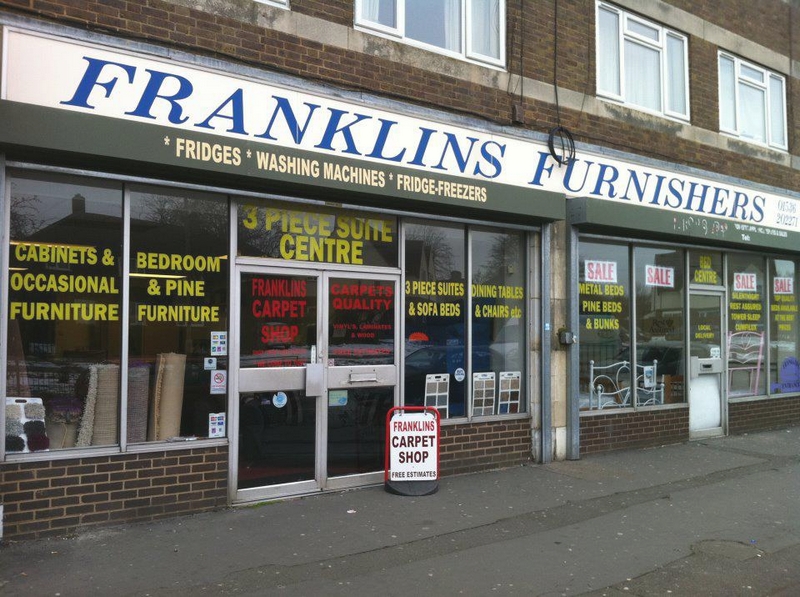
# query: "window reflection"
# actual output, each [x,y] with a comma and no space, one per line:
[435,365]
[660,323]
[64,329]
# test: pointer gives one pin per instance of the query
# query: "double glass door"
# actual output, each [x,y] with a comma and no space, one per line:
[317,373]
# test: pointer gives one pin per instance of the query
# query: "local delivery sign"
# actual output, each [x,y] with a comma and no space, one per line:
[412,451]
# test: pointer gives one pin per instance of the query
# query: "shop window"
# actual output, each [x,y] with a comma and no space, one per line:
[746,326]
[473,29]
[435,319]
[64,326]
[660,335]
[604,335]
[752,102]
[784,375]
[177,369]
[498,322]
[294,233]
[641,63]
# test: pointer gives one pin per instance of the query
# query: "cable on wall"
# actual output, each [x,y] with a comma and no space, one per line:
[559,140]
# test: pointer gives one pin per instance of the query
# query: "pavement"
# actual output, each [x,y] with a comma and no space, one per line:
[712,517]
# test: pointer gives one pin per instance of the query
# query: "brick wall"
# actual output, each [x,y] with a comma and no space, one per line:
[755,415]
[61,496]
[617,431]
[484,446]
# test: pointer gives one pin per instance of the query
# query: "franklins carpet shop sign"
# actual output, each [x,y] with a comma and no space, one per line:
[301,135]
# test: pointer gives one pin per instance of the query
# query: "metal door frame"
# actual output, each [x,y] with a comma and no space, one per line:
[321,482]
[722,295]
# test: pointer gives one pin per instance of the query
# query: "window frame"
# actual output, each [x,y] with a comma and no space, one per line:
[765,86]
[466,52]
[275,3]
[625,33]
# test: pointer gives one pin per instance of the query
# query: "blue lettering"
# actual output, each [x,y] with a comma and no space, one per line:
[151,93]
[491,159]
[675,188]
[380,142]
[334,129]
[541,169]
[718,203]
[640,188]
[740,201]
[452,142]
[236,100]
[422,146]
[91,78]
[568,176]
[601,179]
[283,106]
[758,206]
[692,195]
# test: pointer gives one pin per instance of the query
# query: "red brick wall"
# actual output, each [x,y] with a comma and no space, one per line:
[61,496]
[773,413]
[623,430]
[484,446]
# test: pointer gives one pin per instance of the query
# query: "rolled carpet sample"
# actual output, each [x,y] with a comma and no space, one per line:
[165,414]
[138,382]
[106,410]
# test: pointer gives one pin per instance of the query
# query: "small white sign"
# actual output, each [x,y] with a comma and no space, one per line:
[413,447]
[210,363]
[219,382]
[743,282]
[715,352]
[600,271]
[783,285]
[219,343]
[280,399]
[459,374]
[216,425]
[659,276]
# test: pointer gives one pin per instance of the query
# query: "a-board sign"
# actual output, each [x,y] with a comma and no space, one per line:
[412,450]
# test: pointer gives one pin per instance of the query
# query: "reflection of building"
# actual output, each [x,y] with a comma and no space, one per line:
[358,166]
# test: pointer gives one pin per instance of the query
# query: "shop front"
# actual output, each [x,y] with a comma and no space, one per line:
[685,305]
[219,286]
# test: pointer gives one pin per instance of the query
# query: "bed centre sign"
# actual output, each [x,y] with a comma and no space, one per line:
[254,126]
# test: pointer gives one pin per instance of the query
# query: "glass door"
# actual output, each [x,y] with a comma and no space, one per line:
[706,366]
[317,374]
[361,366]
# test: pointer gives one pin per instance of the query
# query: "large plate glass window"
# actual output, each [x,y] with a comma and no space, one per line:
[473,29]
[604,335]
[784,375]
[498,322]
[435,318]
[752,102]
[660,338]
[641,63]
[64,327]
[177,376]
[747,323]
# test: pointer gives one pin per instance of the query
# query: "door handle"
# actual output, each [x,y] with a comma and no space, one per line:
[363,377]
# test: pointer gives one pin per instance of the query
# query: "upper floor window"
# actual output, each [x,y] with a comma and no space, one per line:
[752,102]
[473,29]
[641,63]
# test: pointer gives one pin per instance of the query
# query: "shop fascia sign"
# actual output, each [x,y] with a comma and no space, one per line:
[63,74]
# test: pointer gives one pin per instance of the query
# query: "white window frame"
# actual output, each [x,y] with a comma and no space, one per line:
[466,52]
[275,3]
[624,33]
[742,79]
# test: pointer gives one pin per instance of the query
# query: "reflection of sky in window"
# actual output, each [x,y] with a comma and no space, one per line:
[52,201]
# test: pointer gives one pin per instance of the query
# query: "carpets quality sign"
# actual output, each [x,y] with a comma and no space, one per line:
[412,450]
[236,124]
